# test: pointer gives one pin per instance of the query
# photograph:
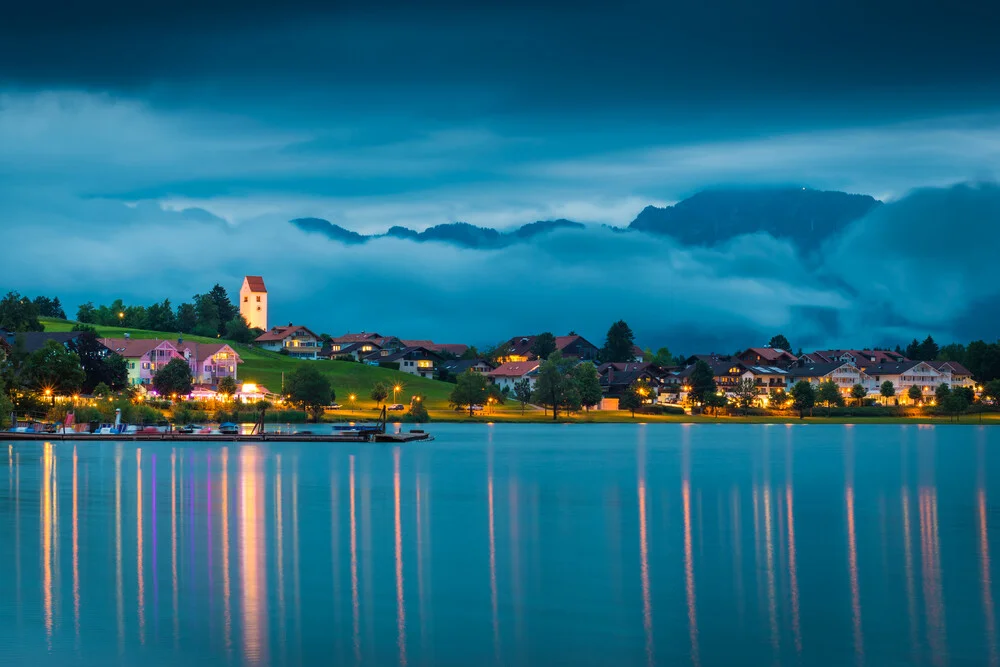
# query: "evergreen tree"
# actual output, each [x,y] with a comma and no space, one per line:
[702,382]
[544,345]
[618,344]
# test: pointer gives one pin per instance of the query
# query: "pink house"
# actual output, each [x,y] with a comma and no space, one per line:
[143,357]
[210,362]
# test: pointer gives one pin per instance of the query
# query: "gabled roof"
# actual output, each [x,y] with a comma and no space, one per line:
[461,365]
[373,338]
[255,283]
[813,370]
[281,333]
[895,368]
[953,366]
[720,367]
[562,342]
[769,354]
[451,348]
[202,351]
[514,369]
[133,348]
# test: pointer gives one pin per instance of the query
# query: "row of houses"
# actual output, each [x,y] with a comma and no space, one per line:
[209,362]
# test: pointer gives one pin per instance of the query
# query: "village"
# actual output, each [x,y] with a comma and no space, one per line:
[759,377]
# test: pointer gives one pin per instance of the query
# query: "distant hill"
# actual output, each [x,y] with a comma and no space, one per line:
[806,217]
[458,233]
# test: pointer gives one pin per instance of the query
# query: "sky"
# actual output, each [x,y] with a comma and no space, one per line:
[156,150]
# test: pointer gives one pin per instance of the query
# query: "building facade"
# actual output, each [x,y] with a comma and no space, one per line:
[253,302]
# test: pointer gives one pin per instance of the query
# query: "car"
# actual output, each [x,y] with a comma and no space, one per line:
[397,407]
[477,408]
[335,406]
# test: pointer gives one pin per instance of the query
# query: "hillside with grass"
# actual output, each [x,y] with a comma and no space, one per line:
[266,368]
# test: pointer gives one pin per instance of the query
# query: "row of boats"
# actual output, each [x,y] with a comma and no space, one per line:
[69,426]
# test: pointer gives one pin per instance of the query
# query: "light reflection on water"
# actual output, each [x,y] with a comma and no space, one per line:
[618,544]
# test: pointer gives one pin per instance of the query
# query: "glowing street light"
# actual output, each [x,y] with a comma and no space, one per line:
[121,316]
[395,390]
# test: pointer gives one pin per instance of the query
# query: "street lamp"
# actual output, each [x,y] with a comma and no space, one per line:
[352,398]
[121,316]
[395,390]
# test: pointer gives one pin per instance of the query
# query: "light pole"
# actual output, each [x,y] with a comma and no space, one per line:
[395,390]
[352,398]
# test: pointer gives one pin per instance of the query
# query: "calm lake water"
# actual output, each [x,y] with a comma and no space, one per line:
[509,544]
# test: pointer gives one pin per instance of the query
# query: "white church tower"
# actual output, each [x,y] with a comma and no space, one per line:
[253,302]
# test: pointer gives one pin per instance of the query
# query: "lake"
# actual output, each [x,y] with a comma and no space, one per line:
[528,544]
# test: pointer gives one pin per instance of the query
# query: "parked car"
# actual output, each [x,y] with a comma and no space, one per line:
[335,406]
[396,407]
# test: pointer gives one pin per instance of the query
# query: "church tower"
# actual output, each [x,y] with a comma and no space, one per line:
[253,302]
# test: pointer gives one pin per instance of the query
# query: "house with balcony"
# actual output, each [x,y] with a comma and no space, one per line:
[767,356]
[295,341]
[906,374]
[960,375]
[844,374]
[616,378]
[210,362]
[143,357]
[417,361]
[458,366]
[367,347]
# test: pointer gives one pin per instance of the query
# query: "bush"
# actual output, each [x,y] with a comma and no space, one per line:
[873,411]
[660,410]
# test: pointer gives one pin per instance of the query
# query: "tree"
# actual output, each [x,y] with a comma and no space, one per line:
[955,404]
[803,397]
[888,390]
[49,307]
[829,394]
[914,393]
[716,401]
[418,411]
[380,391]
[522,392]
[588,384]
[858,392]
[18,314]
[553,387]
[173,378]
[630,400]
[209,322]
[310,390]
[225,308]
[702,382]
[913,350]
[968,393]
[662,358]
[101,390]
[187,318]
[929,349]
[99,366]
[745,391]
[160,317]
[239,331]
[227,387]
[470,389]
[53,368]
[952,352]
[941,392]
[544,345]
[779,342]
[618,344]
[86,313]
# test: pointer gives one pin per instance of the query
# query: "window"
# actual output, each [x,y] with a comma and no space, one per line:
[258,309]
[258,299]
[246,299]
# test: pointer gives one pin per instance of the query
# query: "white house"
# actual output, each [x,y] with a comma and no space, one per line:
[296,341]
[842,373]
[906,374]
[253,302]
[509,374]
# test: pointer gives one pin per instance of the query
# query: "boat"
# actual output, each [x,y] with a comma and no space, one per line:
[229,428]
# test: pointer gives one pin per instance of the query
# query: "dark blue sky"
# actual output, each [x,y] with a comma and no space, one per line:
[116,116]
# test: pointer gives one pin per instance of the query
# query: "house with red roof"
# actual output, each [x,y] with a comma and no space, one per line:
[508,374]
[294,340]
[142,357]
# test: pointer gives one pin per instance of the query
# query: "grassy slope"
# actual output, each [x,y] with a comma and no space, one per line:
[266,368]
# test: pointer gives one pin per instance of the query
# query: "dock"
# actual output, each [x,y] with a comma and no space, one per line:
[186,437]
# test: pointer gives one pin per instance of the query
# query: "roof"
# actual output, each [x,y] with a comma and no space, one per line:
[255,283]
[462,365]
[770,353]
[955,367]
[35,340]
[623,367]
[281,333]
[896,368]
[133,348]
[514,369]
[520,346]
[451,348]
[720,367]
[374,338]
[562,342]
[406,353]
[202,351]
[766,370]
[861,357]
[812,370]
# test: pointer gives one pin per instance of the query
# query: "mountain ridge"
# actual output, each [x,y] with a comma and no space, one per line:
[804,216]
